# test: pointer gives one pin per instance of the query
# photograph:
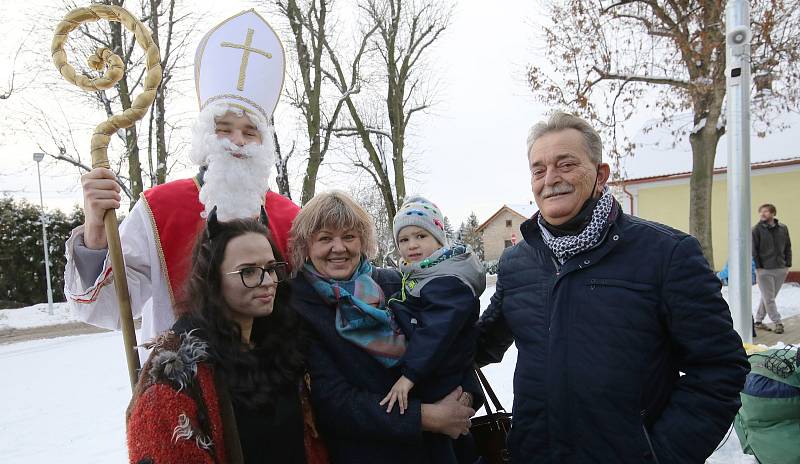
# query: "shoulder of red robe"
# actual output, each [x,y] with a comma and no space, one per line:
[281,212]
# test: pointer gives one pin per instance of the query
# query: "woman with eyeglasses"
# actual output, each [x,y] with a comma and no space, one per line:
[227,383]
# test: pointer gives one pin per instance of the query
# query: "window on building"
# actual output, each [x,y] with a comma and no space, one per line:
[508,243]
[508,222]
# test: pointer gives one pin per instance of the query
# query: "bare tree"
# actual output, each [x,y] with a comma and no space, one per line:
[400,32]
[171,30]
[9,89]
[173,51]
[64,147]
[372,202]
[309,23]
[612,60]
[282,167]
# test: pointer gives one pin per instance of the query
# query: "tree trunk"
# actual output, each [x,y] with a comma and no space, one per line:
[314,161]
[161,142]
[388,201]
[704,148]
[399,169]
[281,162]
[131,140]
[311,72]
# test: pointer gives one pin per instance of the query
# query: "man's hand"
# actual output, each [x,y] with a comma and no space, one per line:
[466,399]
[100,193]
[399,394]
[447,416]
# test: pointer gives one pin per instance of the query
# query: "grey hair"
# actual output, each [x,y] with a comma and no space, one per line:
[559,121]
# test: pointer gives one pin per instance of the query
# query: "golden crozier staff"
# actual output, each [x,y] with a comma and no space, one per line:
[104,57]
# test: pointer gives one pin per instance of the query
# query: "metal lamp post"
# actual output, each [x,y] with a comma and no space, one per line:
[38,157]
[739,241]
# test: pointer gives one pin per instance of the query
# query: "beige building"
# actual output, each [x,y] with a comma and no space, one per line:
[501,230]
[665,199]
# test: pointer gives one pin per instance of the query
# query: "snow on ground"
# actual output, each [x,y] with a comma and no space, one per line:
[788,300]
[64,399]
[35,316]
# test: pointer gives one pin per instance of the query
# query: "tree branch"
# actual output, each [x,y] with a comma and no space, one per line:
[604,75]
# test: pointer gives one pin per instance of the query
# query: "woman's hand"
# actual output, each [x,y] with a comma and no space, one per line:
[398,393]
[447,416]
[466,399]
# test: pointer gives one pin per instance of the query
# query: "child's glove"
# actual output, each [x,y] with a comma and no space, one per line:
[399,394]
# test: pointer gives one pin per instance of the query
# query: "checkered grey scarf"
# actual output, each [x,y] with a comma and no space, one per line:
[570,245]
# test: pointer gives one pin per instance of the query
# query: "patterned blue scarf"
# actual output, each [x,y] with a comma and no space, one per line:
[361,317]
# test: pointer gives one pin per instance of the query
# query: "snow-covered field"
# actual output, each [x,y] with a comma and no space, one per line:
[64,399]
[788,300]
[34,316]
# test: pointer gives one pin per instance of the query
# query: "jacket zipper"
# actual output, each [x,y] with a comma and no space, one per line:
[647,437]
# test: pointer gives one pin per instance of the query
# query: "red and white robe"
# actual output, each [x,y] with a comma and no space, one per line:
[157,239]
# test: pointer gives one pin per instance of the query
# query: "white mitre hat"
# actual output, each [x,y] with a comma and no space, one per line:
[241,63]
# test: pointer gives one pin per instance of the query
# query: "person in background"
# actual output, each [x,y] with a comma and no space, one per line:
[772,251]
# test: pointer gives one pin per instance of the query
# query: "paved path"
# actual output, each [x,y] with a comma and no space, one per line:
[791,335]
[49,331]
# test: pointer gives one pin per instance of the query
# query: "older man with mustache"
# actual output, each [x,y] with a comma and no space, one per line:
[627,352]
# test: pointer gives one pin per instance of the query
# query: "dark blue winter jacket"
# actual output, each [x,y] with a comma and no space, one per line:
[440,325]
[347,383]
[601,341]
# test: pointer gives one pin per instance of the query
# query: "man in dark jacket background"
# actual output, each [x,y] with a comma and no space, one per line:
[626,349]
[772,252]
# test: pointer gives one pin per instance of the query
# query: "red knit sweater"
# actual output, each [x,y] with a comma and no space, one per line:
[165,425]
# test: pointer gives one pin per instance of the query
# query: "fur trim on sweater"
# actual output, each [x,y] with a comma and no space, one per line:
[178,366]
[189,417]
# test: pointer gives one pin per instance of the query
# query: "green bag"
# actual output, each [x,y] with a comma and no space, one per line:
[768,423]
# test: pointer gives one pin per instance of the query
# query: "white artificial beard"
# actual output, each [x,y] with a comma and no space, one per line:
[237,178]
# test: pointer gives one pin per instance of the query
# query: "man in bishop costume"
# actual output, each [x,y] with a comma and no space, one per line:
[239,71]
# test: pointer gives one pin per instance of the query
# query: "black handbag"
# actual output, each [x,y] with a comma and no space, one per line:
[490,431]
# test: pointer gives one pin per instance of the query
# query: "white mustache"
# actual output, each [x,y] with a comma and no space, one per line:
[558,189]
[247,151]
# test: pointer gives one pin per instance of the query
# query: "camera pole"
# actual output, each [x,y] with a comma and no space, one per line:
[737,23]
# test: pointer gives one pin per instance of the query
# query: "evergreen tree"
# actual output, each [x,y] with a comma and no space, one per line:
[448,229]
[470,235]
[22,270]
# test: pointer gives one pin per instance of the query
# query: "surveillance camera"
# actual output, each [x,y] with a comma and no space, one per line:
[739,35]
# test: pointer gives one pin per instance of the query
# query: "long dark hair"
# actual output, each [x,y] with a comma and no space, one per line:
[276,361]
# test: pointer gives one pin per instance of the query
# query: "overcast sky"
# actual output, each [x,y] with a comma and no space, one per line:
[469,151]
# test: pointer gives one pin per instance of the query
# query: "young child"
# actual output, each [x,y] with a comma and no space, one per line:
[437,307]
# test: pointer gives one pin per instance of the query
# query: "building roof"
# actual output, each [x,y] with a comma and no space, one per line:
[526,211]
[683,175]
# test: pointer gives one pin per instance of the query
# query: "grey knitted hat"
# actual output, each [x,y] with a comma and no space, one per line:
[418,211]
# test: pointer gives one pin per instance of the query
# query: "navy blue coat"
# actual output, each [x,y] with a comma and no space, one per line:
[440,325]
[347,384]
[601,342]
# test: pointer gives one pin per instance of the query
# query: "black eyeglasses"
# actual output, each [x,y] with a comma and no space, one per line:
[253,276]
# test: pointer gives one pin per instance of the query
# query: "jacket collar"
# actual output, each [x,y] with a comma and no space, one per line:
[613,235]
